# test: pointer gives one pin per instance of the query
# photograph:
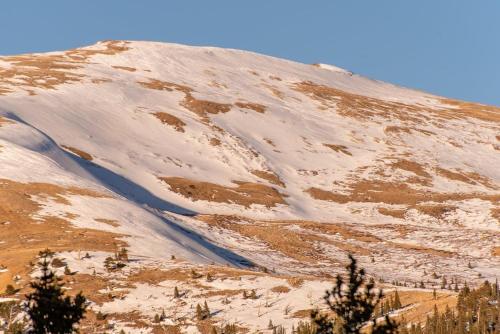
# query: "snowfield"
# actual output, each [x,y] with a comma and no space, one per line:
[209,158]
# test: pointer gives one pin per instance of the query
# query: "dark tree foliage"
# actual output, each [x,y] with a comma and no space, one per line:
[49,310]
[353,301]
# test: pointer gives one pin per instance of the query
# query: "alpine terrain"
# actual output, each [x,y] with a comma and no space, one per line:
[165,176]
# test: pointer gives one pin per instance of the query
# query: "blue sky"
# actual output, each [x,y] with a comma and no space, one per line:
[447,47]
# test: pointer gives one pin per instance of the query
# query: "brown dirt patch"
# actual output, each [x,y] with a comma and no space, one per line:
[339,148]
[245,193]
[171,120]
[252,106]
[269,176]
[78,152]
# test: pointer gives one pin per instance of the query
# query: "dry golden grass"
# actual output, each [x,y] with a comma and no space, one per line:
[436,210]
[411,166]
[473,110]
[354,105]
[253,106]
[4,121]
[421,249]
[200,107]
[222,293]
[303,245]
[466,177]
[495,251]
[338,148]
[302,314]
[164,85]
[204,107]
[110,222]
[275,91]
[363,107]
[99,80]
[280,289]
[396,213]
[269,176]
[125,68]
[78,152]
[421,303]
[23,236]
[245,193]
[392,129]
[393,193]
[295,282]
[215,142]
[171,120]
[49,71]
[397,129]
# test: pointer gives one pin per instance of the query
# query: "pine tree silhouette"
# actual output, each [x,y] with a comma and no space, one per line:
[49,310]
[353,301]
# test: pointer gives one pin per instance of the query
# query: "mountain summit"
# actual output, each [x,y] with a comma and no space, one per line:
[230,157]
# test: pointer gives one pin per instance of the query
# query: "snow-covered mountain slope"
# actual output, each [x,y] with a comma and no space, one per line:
[212,154]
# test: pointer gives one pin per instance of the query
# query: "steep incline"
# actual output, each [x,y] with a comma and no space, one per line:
[245,149]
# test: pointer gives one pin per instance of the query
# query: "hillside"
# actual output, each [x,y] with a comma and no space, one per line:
[231,161]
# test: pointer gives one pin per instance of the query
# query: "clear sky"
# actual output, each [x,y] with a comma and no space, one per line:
[447,47]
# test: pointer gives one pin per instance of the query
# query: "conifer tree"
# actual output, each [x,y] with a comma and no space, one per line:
[199,312]
[176,292]
[47,307]
[206,310]
[353,300]
[397,301]
[10,290]
[443,283]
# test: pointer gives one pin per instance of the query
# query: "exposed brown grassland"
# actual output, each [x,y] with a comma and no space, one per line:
[24,236]
[78,152]
[245,193]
